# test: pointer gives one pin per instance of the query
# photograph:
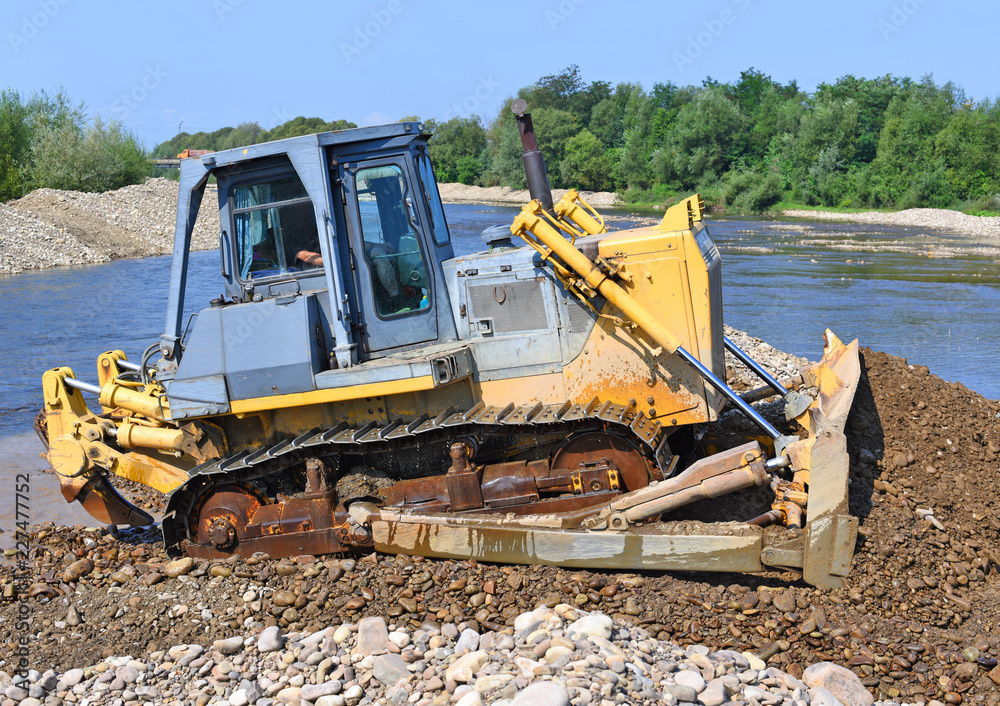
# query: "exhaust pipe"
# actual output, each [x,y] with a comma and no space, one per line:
[534,163]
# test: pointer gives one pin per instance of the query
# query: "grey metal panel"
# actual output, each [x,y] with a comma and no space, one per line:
[395,368]
[199,386]
[266,149]
[516,355]
[189,194]
[198,397]
[271,348]
[578,323]
[513,306]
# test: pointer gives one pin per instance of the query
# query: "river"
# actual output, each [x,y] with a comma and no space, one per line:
[930,296]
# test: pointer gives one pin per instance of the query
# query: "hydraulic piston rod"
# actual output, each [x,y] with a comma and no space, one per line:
[756,367]
[81,385]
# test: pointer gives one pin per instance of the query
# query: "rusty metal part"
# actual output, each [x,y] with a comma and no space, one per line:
[723,473]
[229,507]
[102,501]
[239,519]
[635,468]
[41,428]
[463,480]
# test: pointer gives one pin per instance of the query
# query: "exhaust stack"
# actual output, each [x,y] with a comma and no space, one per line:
[534,163]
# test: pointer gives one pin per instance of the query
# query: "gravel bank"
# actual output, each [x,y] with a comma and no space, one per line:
[50,227]
[462,193]
[922,217]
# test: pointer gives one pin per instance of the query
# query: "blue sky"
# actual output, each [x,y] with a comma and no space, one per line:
[214,63]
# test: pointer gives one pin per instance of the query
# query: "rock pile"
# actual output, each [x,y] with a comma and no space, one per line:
[549,657]
[51,227]
[29,243]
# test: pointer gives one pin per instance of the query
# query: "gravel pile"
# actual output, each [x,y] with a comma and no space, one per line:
[134,221]
[27,243]
[778,363]
[923,217]
[551,656]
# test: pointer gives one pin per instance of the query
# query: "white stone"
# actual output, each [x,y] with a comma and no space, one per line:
[595,624]
[72,677]
[270,639]
[541,693]
[714,694]
[818,696]
[331,700]
[472,698]
[755,662]
[688,677]
[492,682]
[841,682]
[472,661]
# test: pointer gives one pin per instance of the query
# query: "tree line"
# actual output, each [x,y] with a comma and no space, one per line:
[886,142]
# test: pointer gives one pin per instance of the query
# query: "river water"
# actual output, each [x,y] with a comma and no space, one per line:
[930,296]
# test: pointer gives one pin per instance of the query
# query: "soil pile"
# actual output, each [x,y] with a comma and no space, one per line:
[917,619]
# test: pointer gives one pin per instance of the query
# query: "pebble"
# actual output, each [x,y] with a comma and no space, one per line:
[229,646]
[270,639]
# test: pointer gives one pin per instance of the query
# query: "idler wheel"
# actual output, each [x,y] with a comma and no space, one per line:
[224,516]
[590,447]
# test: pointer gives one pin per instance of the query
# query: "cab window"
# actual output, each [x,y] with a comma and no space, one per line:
[390,242]
[275,227]
[438,224]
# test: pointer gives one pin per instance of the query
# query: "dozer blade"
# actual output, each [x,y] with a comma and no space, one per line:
[102,501]
[621,536]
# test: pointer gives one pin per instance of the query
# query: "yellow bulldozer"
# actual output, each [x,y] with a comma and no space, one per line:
[555,399]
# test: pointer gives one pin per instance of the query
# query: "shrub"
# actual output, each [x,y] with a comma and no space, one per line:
[100,157]
[751,190]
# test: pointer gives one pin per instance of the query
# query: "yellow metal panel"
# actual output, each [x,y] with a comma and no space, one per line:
[338,394]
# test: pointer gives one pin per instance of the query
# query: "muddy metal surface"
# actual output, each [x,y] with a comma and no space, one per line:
[917,620]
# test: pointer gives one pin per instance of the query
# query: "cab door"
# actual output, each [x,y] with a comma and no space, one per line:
[388,254]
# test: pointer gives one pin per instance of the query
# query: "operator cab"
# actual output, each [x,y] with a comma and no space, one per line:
[331,248]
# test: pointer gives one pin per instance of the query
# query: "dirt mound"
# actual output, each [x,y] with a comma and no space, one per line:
[917,619]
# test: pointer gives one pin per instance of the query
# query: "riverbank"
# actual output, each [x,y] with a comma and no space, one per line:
[51,228]
[919,217]
[504,195]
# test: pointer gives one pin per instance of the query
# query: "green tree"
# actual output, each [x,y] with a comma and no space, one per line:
[455,140]
[15,144]
[970,147]
[701,141]
[585,165]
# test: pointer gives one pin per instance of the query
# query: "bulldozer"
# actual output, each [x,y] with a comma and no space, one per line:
[559,398]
